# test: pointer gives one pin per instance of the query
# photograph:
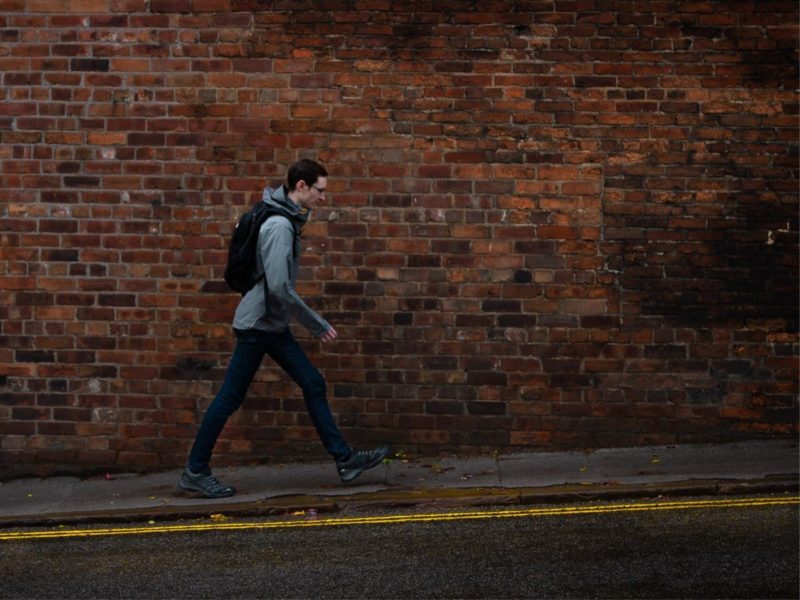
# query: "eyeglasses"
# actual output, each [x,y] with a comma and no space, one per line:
[319,189]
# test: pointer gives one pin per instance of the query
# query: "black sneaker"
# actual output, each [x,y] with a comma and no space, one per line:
[359,462]
[206,484]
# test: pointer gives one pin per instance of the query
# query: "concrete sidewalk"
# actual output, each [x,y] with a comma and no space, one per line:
[746,467]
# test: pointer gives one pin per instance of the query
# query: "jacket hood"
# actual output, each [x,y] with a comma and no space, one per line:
[278,198]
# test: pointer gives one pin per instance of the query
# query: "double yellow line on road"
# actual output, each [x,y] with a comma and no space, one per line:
[407,518]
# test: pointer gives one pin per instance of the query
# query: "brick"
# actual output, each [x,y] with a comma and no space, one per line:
[465,157]
[487,378]
[557,232]
[584,307]
[36,356]
[172,6]
[89,64]
[214,6]
[146,139]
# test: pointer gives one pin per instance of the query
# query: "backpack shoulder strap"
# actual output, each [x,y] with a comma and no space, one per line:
[272,212]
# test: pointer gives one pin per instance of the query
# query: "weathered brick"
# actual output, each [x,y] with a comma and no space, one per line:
[593,248]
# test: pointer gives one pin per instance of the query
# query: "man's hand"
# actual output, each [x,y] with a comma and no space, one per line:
[330,335]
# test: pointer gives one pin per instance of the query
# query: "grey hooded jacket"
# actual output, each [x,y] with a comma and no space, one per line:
[279,261]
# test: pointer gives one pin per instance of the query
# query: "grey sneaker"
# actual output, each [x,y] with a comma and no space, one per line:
[206,484]
[359,462]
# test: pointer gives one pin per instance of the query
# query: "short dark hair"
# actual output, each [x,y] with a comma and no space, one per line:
[305,170]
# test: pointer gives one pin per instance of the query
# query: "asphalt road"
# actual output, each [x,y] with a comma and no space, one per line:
[744,549]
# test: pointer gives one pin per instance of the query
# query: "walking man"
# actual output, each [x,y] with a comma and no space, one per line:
[261,325]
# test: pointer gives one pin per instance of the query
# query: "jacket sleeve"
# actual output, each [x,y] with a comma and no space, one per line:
[277,256]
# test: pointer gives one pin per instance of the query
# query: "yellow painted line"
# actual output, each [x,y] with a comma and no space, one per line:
[409,518]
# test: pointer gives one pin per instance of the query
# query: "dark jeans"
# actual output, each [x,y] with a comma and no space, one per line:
[251,346]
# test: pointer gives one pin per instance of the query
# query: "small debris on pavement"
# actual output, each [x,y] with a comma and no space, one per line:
[438,468]
[399,455]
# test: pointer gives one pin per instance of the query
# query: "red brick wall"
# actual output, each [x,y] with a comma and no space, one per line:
[553,224]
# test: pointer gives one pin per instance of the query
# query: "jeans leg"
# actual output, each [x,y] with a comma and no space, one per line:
[243,366]
[290,356]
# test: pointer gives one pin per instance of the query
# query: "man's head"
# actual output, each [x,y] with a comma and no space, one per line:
[307,181]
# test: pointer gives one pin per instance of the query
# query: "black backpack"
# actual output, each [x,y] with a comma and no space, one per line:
[240,273]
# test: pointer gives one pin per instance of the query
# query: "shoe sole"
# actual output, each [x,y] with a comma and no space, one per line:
[189,487]
[369,465]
